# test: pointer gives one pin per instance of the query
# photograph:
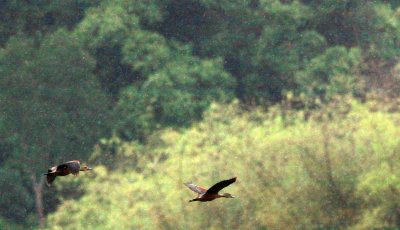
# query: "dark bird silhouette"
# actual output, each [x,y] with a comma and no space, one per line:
[65,169]
[211,193]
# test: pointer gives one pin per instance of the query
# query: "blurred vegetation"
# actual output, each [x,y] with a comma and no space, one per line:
[336,169]
[297,98]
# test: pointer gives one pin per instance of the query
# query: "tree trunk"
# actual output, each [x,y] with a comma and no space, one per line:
[337,194]
[38,190]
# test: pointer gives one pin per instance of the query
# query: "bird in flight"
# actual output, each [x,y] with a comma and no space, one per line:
[212,193]
[64,169]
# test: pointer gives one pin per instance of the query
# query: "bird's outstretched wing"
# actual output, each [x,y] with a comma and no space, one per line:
[50,177]
[73,166]
[51,170]
[195,188]
[220,185]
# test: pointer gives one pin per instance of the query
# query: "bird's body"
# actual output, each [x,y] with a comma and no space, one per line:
[206,197]
[212,193]
[70,167]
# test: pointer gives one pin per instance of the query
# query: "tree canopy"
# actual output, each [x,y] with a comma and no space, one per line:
[292,173]
[295,97]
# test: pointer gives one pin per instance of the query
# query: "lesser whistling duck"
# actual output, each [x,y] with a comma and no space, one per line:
[211,193]
[65,169]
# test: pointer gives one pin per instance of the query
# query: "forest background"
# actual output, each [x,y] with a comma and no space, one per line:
[297,98]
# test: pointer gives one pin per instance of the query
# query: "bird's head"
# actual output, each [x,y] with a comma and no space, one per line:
[85,168]
[227,195]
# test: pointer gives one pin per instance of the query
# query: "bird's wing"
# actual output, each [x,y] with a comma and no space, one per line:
[50,178]
[52,170]
[220,185]
[195,188]
[73,166]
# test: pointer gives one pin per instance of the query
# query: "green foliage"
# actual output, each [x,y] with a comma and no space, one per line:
[331,73]
[147,56]
[6,225]
[146,51]
[161,64]
[173,96]
[53,93]
[113,34]
[106,24]
[52,110]
[281,62]
[263,44]
[16,198]
[379,185]
[386,43]
[35,18]
[292,173]
[276,54]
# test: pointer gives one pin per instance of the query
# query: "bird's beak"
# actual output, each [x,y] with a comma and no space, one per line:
[90,169]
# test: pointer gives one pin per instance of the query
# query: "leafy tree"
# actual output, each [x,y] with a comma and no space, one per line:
[146,51]
[372,26]
[282,49]
[331,73]
[4,224]
[292,173]
[263,43]
[168,86]
[379,185]
[52,111]
[113,34]
[173,96]
[37,17]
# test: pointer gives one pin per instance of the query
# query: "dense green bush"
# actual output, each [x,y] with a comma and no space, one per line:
[335,170]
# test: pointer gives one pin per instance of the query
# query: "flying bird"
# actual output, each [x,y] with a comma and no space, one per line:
[65,169]
[212,193]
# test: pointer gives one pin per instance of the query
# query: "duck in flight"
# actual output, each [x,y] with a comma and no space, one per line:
[211,193]
[67,168]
